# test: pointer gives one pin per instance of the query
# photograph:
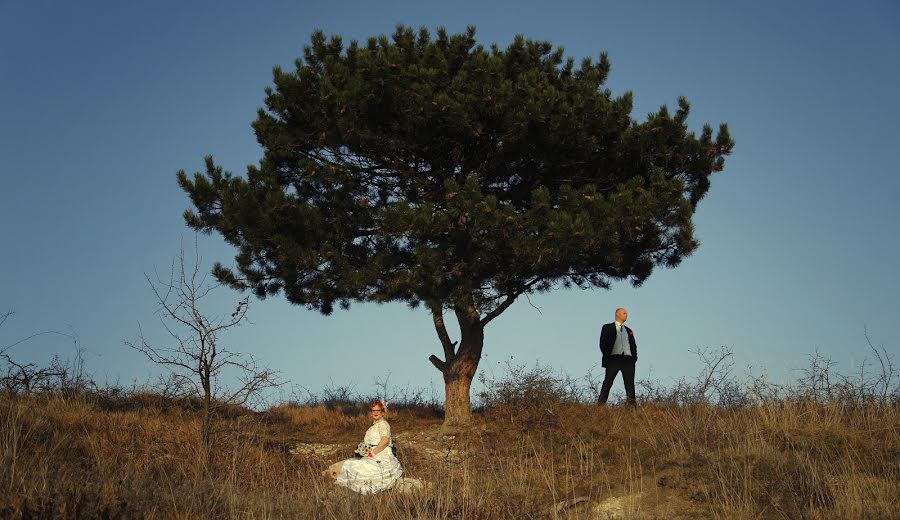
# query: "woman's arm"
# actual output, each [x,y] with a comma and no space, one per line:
[382,444]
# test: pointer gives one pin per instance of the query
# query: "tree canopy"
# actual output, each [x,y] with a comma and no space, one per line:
[433,170]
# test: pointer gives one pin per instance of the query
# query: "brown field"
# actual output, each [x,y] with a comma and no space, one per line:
[141,456]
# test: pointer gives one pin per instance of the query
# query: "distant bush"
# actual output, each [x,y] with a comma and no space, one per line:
[347,400]
[528,397]
[877,381]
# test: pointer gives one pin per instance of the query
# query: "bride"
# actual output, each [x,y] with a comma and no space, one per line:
[378,468]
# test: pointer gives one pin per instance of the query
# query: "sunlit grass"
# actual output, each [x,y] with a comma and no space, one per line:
[143,457]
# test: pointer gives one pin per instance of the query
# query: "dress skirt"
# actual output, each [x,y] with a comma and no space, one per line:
[370,475]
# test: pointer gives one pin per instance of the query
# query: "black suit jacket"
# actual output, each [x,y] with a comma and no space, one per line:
[608,339]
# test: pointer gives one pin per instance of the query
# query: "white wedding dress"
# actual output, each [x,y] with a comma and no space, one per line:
[371,475]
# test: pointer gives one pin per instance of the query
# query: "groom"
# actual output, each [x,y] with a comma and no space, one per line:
[619,355]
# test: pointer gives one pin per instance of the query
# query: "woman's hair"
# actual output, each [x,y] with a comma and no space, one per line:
[377,402]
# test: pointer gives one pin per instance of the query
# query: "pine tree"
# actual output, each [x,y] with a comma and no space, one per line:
[440,173]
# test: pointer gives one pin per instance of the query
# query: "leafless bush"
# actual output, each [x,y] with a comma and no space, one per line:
[24,378]
[346,399]
[71,376]
[528,397]
[715,380]
[715,384]
[172,386]
[761,391]
[196,358]
[886,380]
[342,397]
[405,397]
[61,376]
[876,381]
[817,379]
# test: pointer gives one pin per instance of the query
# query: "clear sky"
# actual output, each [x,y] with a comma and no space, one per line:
[101,102]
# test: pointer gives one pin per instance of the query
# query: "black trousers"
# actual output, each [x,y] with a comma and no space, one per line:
[614,365]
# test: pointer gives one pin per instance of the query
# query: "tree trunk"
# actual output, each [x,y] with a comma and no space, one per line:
[457,405]
[460,364]
[206,426]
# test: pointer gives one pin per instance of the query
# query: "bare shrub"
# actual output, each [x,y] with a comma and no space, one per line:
[24,378]
[340,397]
[885,384]
[65,376]
[528,397]
[406,397]
[715,384]
[197,360]
[346,399]
[761,391]
[817,379]
[874,382]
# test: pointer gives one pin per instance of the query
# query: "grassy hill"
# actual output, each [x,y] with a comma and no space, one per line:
[532,452]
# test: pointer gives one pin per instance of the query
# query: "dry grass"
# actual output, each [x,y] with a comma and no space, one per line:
[142,457]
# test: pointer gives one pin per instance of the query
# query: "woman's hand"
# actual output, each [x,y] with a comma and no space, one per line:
[382,444]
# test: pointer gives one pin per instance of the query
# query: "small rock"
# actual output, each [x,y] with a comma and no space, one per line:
[314,449]
[612,508]
[411,485]
[616,507]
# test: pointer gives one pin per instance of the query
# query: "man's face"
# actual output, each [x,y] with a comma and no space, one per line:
[621,315]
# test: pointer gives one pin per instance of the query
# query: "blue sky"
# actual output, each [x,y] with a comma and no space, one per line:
[102,102]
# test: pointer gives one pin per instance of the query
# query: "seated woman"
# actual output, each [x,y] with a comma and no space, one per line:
[378,468]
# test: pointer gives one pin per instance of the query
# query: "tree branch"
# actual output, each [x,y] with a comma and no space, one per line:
[500,308]
[440,365]
[511,297]
[437,316]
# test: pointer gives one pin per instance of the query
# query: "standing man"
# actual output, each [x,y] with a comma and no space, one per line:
[619,355]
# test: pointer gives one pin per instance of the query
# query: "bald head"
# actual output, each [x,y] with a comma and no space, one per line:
[621,315]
